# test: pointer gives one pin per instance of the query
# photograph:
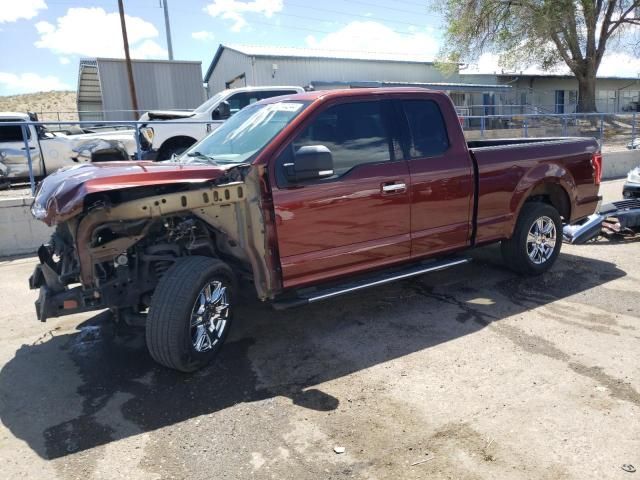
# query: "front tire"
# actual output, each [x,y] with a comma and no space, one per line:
[190,313]
[536,241]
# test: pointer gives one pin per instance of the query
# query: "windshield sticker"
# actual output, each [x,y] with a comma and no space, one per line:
[286,107]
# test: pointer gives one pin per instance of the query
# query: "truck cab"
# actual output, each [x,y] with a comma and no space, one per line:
[160,142]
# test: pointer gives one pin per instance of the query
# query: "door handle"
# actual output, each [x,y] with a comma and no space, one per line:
[392,187]
[30,148]
[395,187]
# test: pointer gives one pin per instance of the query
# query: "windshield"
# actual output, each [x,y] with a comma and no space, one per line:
[244,134]
[206,106]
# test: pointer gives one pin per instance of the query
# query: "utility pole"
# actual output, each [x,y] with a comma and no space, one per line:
[127,58]
[167,28]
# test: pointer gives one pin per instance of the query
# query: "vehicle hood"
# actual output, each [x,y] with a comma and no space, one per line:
[61,195]
[166,115]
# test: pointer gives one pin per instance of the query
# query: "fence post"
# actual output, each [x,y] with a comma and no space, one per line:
[633,127]
[601,130]
[482,126]
[27,151]
[138,150]
[564,126]
[526,128]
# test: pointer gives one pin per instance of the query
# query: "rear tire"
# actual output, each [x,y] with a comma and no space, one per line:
[536,241]
[190,313]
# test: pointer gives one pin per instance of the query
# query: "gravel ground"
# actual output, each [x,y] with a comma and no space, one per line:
[470,373]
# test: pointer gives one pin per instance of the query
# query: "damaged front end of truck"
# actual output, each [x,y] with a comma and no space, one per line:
[121,226]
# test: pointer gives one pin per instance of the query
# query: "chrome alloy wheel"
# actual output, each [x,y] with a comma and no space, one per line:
[209,316]
[541,240]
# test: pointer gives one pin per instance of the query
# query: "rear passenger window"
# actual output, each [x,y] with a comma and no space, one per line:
[428,134]
[354,132]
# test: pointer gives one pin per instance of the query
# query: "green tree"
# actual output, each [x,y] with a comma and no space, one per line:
[544,33]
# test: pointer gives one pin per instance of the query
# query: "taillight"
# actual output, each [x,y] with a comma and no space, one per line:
[596,163]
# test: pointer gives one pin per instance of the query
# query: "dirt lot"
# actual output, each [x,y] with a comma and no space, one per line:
[482,374]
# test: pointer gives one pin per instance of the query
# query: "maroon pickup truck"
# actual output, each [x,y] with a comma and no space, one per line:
[307,196]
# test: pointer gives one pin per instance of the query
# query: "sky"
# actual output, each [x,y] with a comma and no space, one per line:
[42,41]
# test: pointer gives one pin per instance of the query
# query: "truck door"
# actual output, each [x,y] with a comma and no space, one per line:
[357,218]
[441,180]
[13,155]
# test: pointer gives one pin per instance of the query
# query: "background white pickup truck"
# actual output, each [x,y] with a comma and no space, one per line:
[160,142]
[51,151]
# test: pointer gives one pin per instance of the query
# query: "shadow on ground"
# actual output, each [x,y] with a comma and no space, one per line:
[71,392]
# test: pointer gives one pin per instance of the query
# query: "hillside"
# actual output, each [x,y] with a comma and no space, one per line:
[45,104]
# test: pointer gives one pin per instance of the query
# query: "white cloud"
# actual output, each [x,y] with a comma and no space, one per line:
[235,10]
[619,65]
[203,35]
[92,32]
[64,60]
[376,38]
[613,65]
[147,49]
[14,10]
[12,84]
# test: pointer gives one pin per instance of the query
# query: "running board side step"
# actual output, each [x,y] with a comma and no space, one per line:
[313,295]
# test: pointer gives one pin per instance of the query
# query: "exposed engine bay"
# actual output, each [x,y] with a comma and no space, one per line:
[115,251]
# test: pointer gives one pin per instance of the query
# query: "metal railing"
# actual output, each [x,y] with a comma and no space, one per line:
[100,115]
[609,129]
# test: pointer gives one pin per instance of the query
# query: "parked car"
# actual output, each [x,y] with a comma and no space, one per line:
[631,188]
[308,196]
[160,142]
[634,144]
[53,150]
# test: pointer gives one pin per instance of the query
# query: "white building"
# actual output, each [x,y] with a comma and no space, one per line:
[241,65]
[473,94]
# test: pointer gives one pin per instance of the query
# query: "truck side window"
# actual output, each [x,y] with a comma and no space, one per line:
[428,133]
[240,100]
[11,133]
[273,93]
[354,132]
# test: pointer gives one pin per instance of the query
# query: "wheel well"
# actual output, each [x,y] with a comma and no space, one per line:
[554,195]
[175,142]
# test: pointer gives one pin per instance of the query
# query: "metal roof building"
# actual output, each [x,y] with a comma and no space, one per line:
[240,65]
[103,88]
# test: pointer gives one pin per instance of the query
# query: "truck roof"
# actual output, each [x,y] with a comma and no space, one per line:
[351,92]
[267,88]
[14,116]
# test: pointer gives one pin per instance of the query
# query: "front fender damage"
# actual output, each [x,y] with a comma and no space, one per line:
[233,210]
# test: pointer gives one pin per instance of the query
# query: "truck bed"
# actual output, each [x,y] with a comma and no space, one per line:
[504,165]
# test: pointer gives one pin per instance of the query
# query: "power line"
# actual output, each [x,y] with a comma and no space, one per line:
[304,17]
[375,5]
[340,12]
[344,23]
